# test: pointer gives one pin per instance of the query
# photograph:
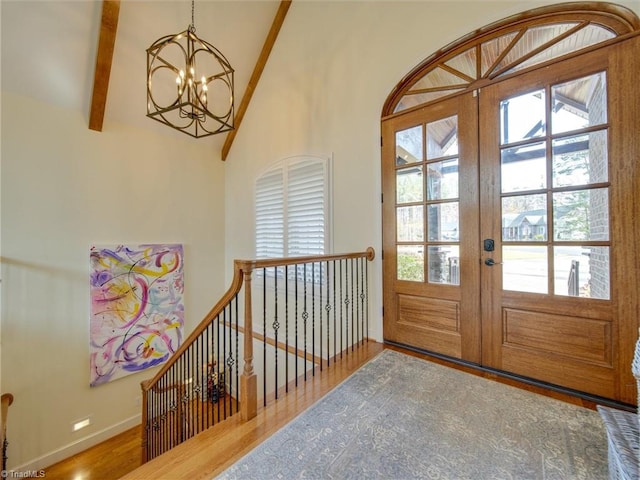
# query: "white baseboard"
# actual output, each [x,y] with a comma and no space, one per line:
[78,446]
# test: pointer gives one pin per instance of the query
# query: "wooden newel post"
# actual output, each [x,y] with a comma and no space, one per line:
[248,379]
[144,385]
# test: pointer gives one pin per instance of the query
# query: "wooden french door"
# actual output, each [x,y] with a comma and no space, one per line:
[431,211]
[508,226]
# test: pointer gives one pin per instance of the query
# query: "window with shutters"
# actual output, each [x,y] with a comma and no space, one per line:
[292,208]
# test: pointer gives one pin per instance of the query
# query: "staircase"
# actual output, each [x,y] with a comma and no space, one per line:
[280,323]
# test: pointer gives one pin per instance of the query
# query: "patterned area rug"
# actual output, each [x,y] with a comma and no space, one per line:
[400,417]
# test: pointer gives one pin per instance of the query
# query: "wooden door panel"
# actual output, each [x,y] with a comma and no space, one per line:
[432,323]
[560,370]
[429,313]
[582,339]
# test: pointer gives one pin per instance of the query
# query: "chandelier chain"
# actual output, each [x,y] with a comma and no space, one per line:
[192,27]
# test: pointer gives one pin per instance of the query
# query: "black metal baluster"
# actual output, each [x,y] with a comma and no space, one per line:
[219,363]
[153,444]
[335,313]
[296,317]
[198,378]
[313,319]
[164,427]
[264,337]
[352,307]
[327,309]
[358,317]
[286,328]
[305,316]
[158,443]
[364,300]
[166,391]
[347,302]
[187,391]
[162,416]
[208,359]
[231,358]
[222,409]
[183,393]
[320,285]
[275,326]
[237,360]
[341,317]
[164,407]
[366,264]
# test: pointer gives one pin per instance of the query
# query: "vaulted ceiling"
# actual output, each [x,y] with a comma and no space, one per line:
[49,52]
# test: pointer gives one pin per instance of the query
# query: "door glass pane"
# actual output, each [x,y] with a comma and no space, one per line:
[409,182]
[580,160]
[442,138]
[524,268]
[411,263]
[524,218]
[579,104]
[442,180]
[523,168]
[410,222]
[442,222]
[522,117]
[444,264]
[581,271]
[581,215]
[409,145]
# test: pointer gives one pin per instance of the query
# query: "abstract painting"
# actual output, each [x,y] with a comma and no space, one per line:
[137,310]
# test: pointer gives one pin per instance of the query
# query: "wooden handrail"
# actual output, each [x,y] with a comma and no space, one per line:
[369,254]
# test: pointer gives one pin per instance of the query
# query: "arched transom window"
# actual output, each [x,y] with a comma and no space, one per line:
[509,47]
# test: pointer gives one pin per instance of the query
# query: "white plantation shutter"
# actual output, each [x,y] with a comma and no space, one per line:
[269,215]
[306,208]
[292,208]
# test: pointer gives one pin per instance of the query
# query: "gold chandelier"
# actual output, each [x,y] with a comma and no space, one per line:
[189,84]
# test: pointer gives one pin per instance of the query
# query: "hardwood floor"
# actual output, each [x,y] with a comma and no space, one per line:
[108,460]
[214,450]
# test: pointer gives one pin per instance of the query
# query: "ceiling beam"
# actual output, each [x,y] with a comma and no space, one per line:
[104,57]
[257,72]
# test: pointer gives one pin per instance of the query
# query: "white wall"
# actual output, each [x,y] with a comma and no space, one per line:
[322,92]
[64,188]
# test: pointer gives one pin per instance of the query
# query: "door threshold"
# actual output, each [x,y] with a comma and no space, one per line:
[478,368]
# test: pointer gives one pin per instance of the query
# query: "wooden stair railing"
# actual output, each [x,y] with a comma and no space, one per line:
[6,400]
[204,382]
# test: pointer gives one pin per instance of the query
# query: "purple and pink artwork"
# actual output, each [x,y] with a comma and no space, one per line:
[137,310]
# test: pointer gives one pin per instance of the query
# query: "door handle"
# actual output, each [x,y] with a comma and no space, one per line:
[490,262]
